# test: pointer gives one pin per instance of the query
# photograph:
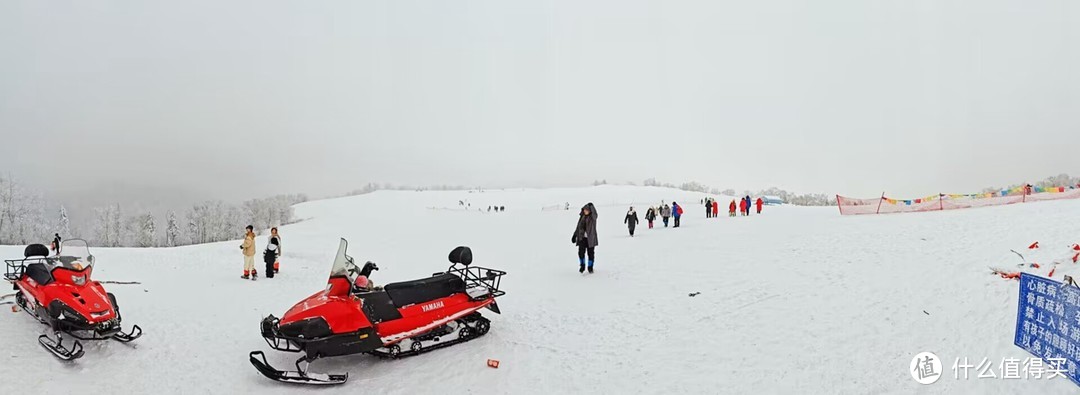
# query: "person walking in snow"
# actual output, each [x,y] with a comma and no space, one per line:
[631,220]
[759,203]
[665,213]
[731,208]
[275,239]
[249,254]
[749,203]
[56,243]
[742,206]
[676,211]
[270,256]
[650,216]
[715,209]
[708,208]
[585,236]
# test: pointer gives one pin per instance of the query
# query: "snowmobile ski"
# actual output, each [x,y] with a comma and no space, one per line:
[56,347]
[122,337]
[298,376]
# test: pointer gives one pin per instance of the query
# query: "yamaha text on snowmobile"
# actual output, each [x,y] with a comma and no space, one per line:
[398,320]
[57,290]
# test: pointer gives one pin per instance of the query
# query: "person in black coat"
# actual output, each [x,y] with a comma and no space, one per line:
[631,220]
[650,216]
[708,208]
[56,243]
[585,236]
[270,256]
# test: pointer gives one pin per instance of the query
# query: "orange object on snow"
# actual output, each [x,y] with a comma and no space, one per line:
[14,309]
[1052,272]
[1035,265]
[493,363]
[1033,246]
[1076,257]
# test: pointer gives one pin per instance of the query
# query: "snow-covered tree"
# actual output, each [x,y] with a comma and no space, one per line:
[144,230]
[214,221]
[8,198]
[63,226]
[118,235]
[103,234]
[172,230]
[25,218]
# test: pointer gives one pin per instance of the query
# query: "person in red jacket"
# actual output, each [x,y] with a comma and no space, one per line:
[742,206]
[731,208]
[715,209]
[759,203]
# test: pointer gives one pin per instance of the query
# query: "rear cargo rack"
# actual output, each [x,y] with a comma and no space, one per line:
[480,277]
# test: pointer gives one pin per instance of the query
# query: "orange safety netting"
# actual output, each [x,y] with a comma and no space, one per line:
[885,205]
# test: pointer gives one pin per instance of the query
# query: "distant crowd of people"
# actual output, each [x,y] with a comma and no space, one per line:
[585,238]
[665,212]
[745,205]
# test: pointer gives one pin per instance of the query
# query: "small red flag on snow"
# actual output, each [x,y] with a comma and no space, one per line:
[1052,272]
[1076,247]
[493,363]
[1076,257]
[1035,265]
[1033,246]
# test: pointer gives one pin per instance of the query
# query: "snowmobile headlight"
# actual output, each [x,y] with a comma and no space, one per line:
[78,280]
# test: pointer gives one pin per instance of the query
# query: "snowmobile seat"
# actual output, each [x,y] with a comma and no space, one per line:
[378,307]
[425,289]
[39,273]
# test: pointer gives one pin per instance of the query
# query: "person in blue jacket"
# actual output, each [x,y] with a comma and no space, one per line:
[676,211]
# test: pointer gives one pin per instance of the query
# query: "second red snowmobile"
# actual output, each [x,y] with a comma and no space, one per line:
[398,320]
[58,292]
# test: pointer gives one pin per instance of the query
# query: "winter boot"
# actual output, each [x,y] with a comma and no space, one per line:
[246,275]
[254,275]
[590,266]
[582,268]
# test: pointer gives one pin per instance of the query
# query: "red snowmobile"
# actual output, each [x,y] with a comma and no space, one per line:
[398,320]
[57,290]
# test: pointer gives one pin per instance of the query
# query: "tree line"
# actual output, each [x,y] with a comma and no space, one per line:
[26,217]
[804,199]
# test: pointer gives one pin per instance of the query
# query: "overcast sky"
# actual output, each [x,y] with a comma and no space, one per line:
[238,99]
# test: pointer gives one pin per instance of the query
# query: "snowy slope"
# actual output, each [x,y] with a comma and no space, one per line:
[798,300]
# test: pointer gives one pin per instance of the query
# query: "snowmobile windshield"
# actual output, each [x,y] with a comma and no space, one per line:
[343,264]
[74,254]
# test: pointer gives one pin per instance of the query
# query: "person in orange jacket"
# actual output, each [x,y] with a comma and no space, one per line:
[731,208]
[759,203]
[715,209]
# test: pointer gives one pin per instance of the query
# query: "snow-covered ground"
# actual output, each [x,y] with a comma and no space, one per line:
[797,300]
